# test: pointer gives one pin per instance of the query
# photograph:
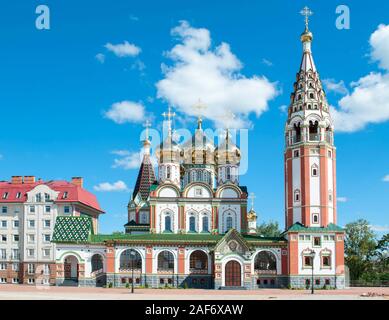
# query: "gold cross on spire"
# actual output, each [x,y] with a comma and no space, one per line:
[199,106]
[169,115]
[306,12]
[252,197]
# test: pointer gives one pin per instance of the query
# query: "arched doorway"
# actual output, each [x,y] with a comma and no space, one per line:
[198,262]
[71,268]
[233,273]
[97,263]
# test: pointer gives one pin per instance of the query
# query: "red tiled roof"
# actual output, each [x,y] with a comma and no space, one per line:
[75,193]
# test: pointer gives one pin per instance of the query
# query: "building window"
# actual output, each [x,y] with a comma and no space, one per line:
[31,223]
[3,280]
[15,280]
[46,238]
[229,223]
[66,209]
[168,224]
[31,252]
[32,209]
[296,153]
[31,238]
[205,224]
[329,154]
[16,238]
[3,254]
[31,281]
[168,172]
[326,261]
[31,268]
[3,266]
[47,197]
[330,195]
[198,261]
[315,170]
[228,173]
[38,197]
[18,195]
[65,195]
[15,267]
[315,218]
[46,252]
[316,241]
[166,261]
[332,238]
[307,261]
[47,209]
[4,209]
[46,223]
[327,282]
[16,223]
[5,195]
[3,238]
[297,195]
[192,224]
[4,223]
[15,254]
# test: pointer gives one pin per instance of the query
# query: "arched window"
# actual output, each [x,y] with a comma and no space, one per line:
[130,259]
[314,170]
[192,224]
[168,223]
[205,224]
[198,261]
[297,195]
[229,223]
[96,262]
[166,261]
[311,95]
[265,261]
[168,172]
[228,173]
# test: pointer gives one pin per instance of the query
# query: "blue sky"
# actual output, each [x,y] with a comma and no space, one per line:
[55,92]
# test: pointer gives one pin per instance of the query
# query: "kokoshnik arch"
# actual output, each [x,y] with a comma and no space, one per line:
[189,226]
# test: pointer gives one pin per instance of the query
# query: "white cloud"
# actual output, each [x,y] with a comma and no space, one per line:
[212,75]
[111,187]
[134,18]
[267,62]
[369,100]
[128,160]
[333,86]
[386,178]
[100,57]
[126,111]
[124,49]
[283,108]
[342,199]
[379,228]
[379,42]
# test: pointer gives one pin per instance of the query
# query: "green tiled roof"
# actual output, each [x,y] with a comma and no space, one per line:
[298,227]
[172,238]
[72,229]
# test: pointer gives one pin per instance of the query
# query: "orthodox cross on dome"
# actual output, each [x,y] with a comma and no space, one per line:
[169,115]
[306,12]
[252,198]
[200,107]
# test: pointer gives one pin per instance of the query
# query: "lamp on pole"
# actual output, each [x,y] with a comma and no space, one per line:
[132,254]
[312,262]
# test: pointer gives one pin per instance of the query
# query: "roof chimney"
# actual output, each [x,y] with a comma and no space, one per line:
[78,181]
[29,179]
[17,180]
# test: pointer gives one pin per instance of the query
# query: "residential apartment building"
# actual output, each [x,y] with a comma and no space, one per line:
[28,210]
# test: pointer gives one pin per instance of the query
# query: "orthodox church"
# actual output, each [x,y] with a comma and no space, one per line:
[188,225]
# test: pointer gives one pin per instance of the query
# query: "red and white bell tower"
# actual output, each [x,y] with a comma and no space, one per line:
[310,156]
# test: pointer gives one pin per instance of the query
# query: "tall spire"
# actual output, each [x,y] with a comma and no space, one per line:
[199,106]
[307,62]
[146,141]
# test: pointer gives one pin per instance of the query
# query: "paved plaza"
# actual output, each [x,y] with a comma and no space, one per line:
[24,292]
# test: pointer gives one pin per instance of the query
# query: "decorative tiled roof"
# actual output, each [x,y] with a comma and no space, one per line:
[298,227]
[146,177]
[72,229]
[179,238]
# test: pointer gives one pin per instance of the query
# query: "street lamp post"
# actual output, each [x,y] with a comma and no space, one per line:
[312,261]
[132,253]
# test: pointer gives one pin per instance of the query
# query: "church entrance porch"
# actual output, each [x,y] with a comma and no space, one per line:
[71,271]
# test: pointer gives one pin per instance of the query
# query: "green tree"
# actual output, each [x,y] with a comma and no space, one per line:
[269,229]
[359,248]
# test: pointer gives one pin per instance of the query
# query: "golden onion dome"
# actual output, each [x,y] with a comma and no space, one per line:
[252,216]
[168,151]
[199,149]
[306,36]
[227,152]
